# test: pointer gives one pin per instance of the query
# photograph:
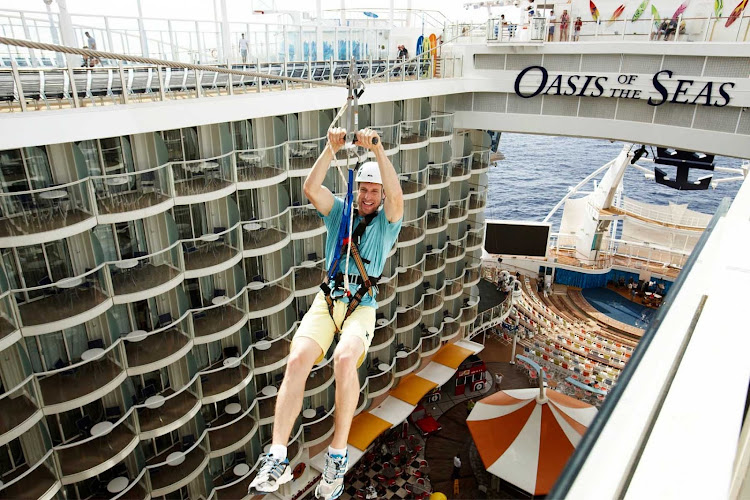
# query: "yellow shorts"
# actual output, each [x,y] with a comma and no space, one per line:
[318,326]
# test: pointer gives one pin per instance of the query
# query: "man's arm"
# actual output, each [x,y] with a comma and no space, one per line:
[316,192]
[394,197]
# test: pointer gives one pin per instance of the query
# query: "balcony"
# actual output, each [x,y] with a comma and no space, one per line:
[230,432]
[92,456]
[414,184]
[260,237]
[384,334]
[475,239]
[212,253]
[19,410]
[168,475]
[458,211]
[63,304]
[37,481]
[198,181]
[302,155]
[308,277]
[158,348]
[441,127]
[380,380]
[412,232]
[471,276]
[439,176]
[433,301]
[218,321]
[79,384]
[128,196]
[431,341]
[316,431]
[477,199]
[390,138]
[320,377]
[460,168]
[257,168]
[9,331]
[456,250]
[176,409]
[437,220]
[226,377]
[454,288]
[146,276]
[434,262]
[480,163]
[386,291]
[267,298]
[408,318]
[469,312]
[451,328]
[409,277]
[306,223]
[407,360]
[47,214]
[415,133]
[269,352]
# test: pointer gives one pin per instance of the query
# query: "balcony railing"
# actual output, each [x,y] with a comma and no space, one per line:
[390,136]
[261,166]
[409,277]
[199,177]
[302,155]
[385,332]
[451,328]
[442,125]
[159,417]
[318,428]
[433,300]
[407,359]
[475,238]
[305,219]
[415,132]
[477,199]
[454,288]
[8,323]
[380,379]
[386,290]
[132,191]
[458,210]
[19,407]
[437,220]
[226,377]
[42,210]
[431,338]
[439,175]
[409,317]
[212,249]
[264,235]
[412,232]
[271,350]
[308,277]
[176,466]
[160,347]
[94,454]
[230,431]
[414,184]
[36,481]
[320,376]
[223,317]
[480,161]
[263,296]
[456,250]
[460,168]
[142,273]
[435,261]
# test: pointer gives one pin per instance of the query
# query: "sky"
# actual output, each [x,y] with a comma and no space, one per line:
[238,10]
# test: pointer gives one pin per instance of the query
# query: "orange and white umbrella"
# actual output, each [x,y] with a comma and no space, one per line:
[526,438]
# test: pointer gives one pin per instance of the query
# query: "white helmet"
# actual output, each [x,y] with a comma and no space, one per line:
[369,172]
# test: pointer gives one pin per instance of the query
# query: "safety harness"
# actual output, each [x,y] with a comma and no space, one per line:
[336,284]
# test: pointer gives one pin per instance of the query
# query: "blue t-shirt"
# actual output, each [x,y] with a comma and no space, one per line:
[379,237]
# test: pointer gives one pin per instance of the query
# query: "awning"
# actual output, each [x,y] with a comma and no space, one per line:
[413,388]
[452,355]
[365,428]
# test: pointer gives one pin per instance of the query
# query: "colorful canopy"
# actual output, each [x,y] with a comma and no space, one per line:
[526,441]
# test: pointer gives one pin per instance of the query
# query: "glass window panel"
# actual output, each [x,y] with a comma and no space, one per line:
[173,141]
[37,166]
[34,356]
[103,233]
[58,260]
[90,151]
[12,172]
[53,349]
[77,341]
[190,143]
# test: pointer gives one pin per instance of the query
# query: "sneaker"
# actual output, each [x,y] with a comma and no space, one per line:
[331,485]
[272,474]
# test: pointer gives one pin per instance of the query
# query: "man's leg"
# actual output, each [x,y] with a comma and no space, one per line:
[345,358]
[305,352]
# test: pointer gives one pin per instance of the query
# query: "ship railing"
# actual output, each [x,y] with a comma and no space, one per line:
[140,479]
[48,459]
[663,216]
[127,191]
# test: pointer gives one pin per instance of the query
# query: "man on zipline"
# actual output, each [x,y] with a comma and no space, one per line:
[335,309]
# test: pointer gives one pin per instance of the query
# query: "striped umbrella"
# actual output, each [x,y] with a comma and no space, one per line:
[525,436]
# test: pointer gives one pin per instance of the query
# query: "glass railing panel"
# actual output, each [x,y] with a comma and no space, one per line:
[390,135]
[413,182]
[63,299]
[406,317]
[222,314]
[433,300]
[130,191]
[380,378]
[460,167]
[409,275]
[434,260]
[164,471]
[386,289]
[47,209]
[201,176]
[226,373]
[302,154]
[383,333]
[458,209]
[141,273]
[415,131]
[212,248]
[262,295]
[439,174]
[450,327]
[442,124]
[406,358]
[305,219]
[257,234]
[159,344]
[319,375]
[412,230]
[472,274]
[269,349]
[18,404]
[267,404]
[7,317]
[430,339]
[480,160]
[309,274]
[456,249]
[30,482]
[168,407]
[436,218]
[474,238]
[478,198]
[260,164]
[231,426]
[318,427]
[104,442]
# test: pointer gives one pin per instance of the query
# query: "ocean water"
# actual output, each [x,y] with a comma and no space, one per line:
[538,170]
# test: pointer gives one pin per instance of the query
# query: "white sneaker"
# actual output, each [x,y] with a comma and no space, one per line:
[272,474]
[331,485]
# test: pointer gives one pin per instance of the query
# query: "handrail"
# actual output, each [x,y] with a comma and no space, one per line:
[51,285]
[123,174]
[48,188]
[159,62]
[243,415]
[18,386]
[28,471]
[239,358]
[91,438]
[174,393]
[328,414]
[130,486]
[80,363]
[184,452]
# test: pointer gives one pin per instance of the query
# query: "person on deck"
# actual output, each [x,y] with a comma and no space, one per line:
[243,48]
[378,184]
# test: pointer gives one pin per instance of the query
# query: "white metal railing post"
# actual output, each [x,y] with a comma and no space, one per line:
[257,68]
[677,29]
[172,44]
[108,31]
[27,34]
[708,25]
[123,82]
[162,93]
[17,84]
[198,39]
[142,31]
